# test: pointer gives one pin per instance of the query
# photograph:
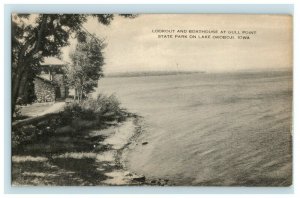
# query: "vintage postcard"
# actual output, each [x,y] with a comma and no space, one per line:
[151,99]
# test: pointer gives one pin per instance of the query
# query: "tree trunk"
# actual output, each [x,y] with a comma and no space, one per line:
[75,92]
[23,61]
[23,88]
[81,94]
[16,82]
[81,90]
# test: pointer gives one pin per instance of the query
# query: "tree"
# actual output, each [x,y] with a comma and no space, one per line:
[35,36]
[86,68]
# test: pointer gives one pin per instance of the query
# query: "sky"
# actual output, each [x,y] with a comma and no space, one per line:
[133,44]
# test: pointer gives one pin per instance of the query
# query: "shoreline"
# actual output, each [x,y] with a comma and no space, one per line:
[124,176]
[88,157]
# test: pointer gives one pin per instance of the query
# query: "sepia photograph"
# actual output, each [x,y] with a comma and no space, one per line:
[151,99]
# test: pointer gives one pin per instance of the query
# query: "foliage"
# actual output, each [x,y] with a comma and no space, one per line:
[86,68]
[103,108]
[104,105]
[35,36]
[74,111]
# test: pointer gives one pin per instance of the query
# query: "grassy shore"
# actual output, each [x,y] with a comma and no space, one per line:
[80,146]
[69,148]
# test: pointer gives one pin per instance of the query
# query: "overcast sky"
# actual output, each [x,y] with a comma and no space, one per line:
[132,46]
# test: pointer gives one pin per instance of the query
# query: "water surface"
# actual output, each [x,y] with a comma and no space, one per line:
[210,129]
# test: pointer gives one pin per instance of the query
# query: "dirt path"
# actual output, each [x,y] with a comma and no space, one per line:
[56,107]
[39,109]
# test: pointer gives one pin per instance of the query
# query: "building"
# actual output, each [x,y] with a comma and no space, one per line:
[50,84]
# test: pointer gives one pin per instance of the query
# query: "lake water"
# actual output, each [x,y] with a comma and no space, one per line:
[210,129]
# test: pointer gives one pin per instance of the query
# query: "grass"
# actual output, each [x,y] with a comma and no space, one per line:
[64,150]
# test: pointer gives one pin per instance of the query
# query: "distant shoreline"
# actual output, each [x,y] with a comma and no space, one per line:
[152,73]
[169,73]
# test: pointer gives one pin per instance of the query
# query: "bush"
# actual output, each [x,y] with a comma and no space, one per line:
[103,105]
[74,111]
[100,109]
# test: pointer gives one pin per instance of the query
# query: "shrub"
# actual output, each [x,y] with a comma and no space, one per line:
[100,109]
[103,104]
[74,111]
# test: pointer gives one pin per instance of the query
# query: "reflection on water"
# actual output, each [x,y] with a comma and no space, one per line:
[211,129]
